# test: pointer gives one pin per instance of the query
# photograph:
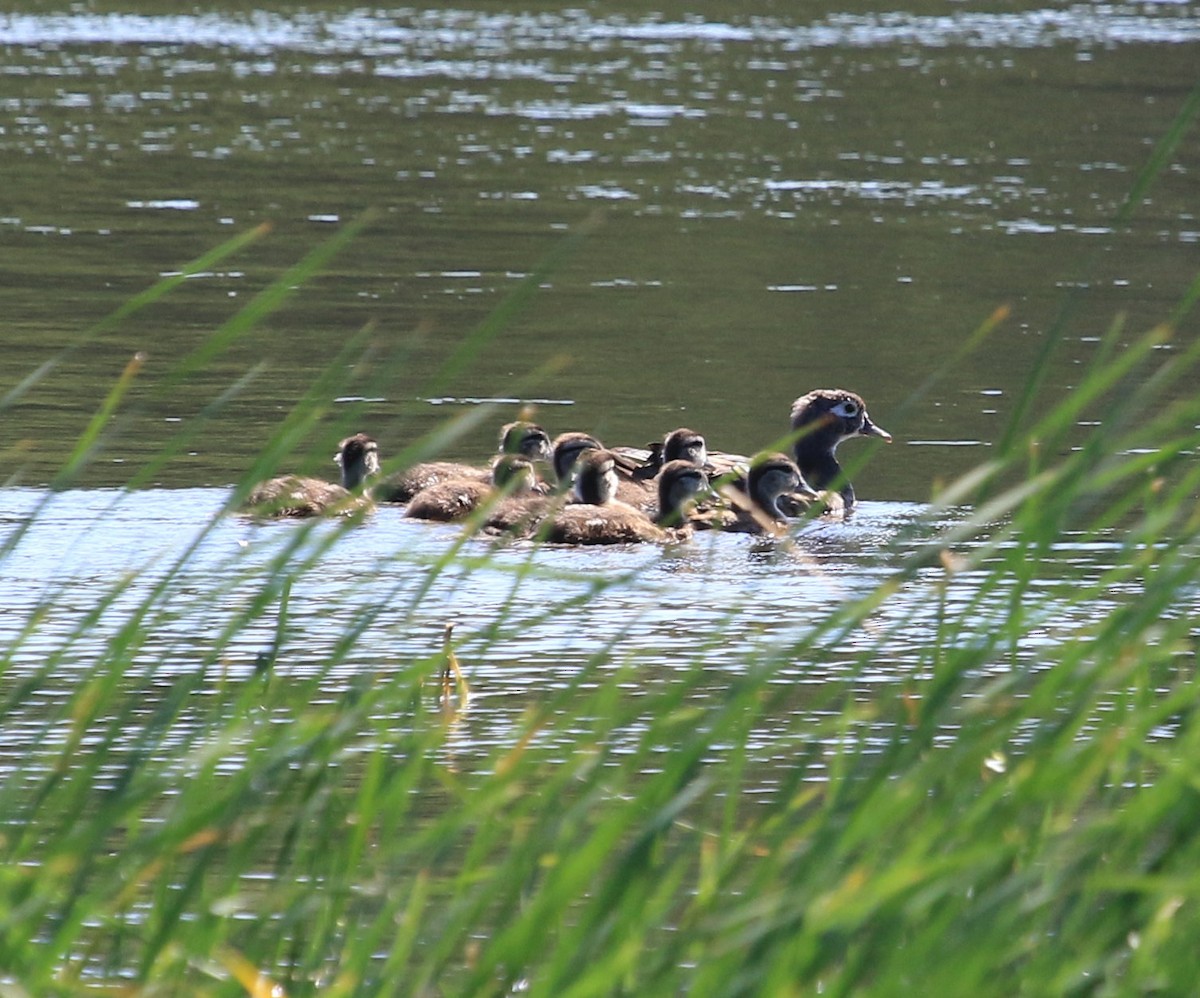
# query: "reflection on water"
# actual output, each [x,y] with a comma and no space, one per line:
[529,621]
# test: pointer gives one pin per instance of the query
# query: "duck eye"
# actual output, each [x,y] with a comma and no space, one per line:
[847,408]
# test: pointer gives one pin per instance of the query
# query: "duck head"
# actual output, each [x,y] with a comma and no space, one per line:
[514,474]
[596,478]
[680,483]
[824,418]
[527,439]
[358,457]
[567,449]
[684,445]
[770,477]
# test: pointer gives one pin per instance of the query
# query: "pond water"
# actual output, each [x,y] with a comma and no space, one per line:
[764,204]
[529,620]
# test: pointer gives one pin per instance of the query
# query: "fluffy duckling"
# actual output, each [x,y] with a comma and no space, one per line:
[825,418]
[520,437]
[523,515]
[566,451]
[678,445]
[597,516]
[298,496]
[527,439]
[680,485]
[757,510]
[455,499]
[637,467]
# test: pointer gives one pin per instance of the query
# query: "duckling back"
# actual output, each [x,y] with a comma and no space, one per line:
[455,499]
[613,523]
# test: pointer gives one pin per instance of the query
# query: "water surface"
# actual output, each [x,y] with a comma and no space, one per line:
[767,203]
[777,203]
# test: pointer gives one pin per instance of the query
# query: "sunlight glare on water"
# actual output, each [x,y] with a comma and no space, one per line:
[713,604]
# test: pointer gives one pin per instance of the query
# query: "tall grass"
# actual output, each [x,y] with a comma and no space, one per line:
[1027,824]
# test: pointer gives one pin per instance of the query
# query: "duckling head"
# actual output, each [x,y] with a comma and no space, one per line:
[358,457]
[772,476]
[596,479]
[527,439]
[568,447]
[514,474]
[680,483]
[685,445]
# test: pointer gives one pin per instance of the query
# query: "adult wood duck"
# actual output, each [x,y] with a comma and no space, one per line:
[299,496]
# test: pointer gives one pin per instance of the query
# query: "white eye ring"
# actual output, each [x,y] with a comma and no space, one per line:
[847,408]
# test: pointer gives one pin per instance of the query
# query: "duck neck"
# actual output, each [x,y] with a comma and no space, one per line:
[670,507]
[821,470]
[354,473]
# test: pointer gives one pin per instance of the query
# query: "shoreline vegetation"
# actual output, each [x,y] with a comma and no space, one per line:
[1029,826]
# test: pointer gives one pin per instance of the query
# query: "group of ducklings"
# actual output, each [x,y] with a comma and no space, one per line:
[574,490]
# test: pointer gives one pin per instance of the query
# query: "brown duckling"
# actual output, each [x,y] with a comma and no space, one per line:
[680,484]
[455,499]
[520,437]
[637,467]
[566,451]
[522,515]
[527,439]
[597,516]
[756,509]
[299,496]
[678,445]
[825,417]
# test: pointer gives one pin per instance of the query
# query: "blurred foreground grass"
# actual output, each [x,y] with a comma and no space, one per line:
[1029,826]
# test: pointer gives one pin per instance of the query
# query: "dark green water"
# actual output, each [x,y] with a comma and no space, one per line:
[772,203]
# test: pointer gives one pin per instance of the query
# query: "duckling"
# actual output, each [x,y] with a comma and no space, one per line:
[826,417]
[522,515]
[527,439]
[455,499]
[298,496]
[680,483]
[520,437]
[678,445]
[597,516]
[566,451]
[757,509]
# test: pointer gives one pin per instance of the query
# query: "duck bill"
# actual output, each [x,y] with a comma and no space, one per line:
[869,429]
[806,492]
